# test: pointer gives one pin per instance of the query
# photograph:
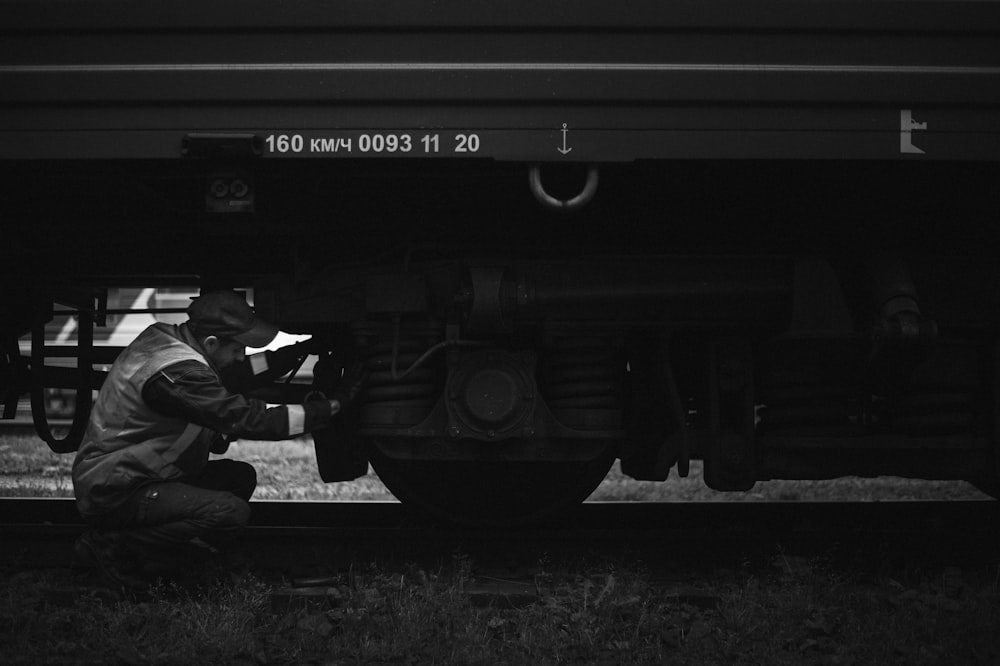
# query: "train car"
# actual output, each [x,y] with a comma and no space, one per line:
[559,233]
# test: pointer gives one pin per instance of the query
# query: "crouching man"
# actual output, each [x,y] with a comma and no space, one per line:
[142,476]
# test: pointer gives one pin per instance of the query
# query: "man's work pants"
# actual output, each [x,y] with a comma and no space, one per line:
[160,520]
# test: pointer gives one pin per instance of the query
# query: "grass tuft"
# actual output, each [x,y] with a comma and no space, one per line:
[792,613]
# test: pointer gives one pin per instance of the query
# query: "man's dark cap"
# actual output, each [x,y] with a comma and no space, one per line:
[226,314]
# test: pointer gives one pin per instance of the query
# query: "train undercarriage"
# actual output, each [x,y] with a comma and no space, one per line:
[504,381]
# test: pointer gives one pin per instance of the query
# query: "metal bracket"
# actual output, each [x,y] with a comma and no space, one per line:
[81,416]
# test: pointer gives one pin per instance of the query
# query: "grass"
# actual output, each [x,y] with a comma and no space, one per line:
[42,627]
[601,615]
[287,471]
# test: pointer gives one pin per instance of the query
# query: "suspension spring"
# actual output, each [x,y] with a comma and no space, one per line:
[581,379]
[944,394]
[938,413]
[805,408]
[403,399]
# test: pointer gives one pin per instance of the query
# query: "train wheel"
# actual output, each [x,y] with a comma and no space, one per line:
[491,493]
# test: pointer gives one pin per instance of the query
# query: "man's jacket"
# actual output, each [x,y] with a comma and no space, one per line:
[157,415]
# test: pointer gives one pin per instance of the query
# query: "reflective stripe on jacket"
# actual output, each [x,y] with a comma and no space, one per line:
[128,443]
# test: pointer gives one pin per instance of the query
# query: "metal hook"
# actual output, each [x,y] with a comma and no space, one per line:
[549,201]
[81,416]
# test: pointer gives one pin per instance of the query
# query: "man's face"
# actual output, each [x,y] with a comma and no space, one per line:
[222,354]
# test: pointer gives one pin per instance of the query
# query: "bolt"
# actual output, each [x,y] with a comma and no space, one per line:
[491,433]
[219,188]
[239,188]
[454,432]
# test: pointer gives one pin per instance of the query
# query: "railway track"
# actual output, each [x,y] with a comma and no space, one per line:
[311,536]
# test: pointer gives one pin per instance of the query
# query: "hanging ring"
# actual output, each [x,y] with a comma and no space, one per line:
[549,201]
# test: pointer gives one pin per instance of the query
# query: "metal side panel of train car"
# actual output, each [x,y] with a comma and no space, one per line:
[558,233]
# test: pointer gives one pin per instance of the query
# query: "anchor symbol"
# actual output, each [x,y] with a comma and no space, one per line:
[564,150]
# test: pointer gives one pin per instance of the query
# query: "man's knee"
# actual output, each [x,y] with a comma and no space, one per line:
[228,512]
[244,479]
[234,476]
[248,481]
